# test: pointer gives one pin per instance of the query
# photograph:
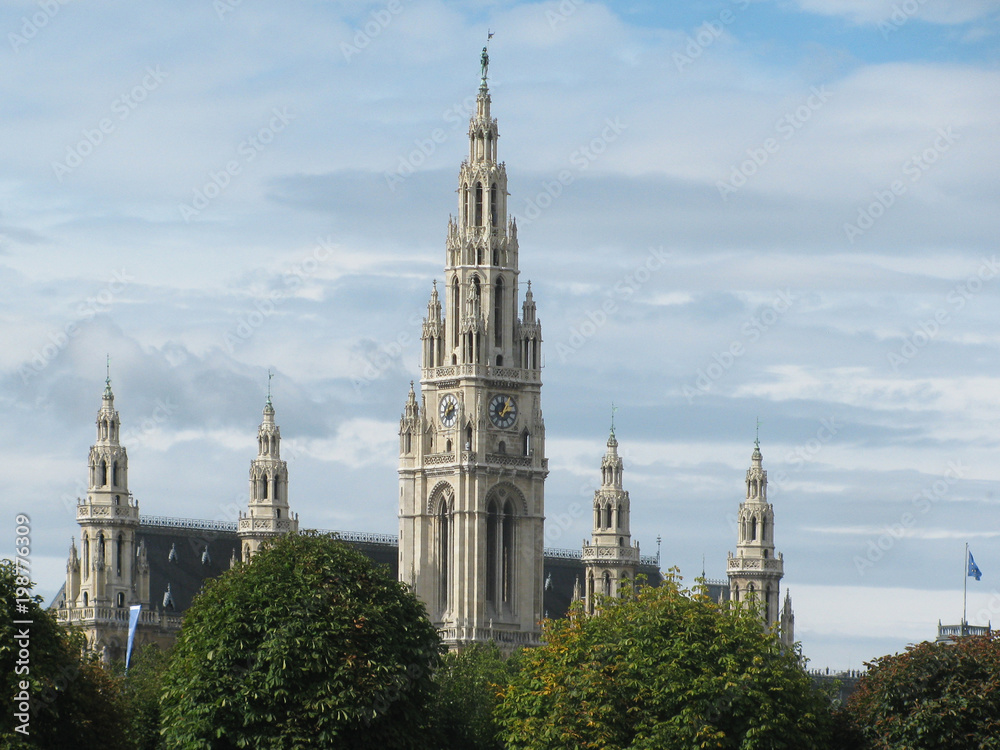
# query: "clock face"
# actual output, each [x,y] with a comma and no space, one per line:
[503,410]
[448,410]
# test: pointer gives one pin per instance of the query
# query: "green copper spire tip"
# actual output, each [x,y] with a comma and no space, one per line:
[107,380]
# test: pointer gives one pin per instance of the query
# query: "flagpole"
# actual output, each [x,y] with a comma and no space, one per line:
[965,586]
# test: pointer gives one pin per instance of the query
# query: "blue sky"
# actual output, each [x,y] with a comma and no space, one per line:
[729,211]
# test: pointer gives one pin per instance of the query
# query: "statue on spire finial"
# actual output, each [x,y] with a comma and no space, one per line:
[484,59]
[107,380]
[269,376]
[613,410]
[756,441]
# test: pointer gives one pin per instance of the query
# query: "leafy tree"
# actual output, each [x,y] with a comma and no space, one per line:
[469,684]
[308,645]
[662,668]
[73,701]
[141,693]
[932,696]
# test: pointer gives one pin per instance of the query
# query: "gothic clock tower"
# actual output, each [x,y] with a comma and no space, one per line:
[472,461]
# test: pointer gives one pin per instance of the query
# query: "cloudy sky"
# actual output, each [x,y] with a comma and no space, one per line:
[730,210]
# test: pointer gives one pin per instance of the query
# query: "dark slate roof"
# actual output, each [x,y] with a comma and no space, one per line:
[187,570]
[175,549]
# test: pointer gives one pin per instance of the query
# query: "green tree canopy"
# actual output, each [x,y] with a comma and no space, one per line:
[308,645]
[469,685]
[73,701]
[933,696]
[663,668]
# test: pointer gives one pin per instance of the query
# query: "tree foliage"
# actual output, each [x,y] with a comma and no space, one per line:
[933,696]
[308,645]
[73,701]
[468,691]
[663,668]
[141,688]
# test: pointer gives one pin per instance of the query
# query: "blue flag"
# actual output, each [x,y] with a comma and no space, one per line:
[133,621]
[974,569]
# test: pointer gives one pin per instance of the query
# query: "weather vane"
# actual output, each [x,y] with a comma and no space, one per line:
[613,410]
[269,376]
[756,441]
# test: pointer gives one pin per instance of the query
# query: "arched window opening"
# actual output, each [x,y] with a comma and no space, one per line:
[407,442]
[607,516]
[121,599]
[468,436]
[448,446]
[736,594]
[590,594]
[114,474]
[103,473]
[493,204]
[502,448]
[753,529]
[492,553]
[277,512]
[621,541]
[118,499]
[86,599]
[767,554]
[465,205]
[86,555]
[246,553]
[100,546]
[119,548]
[508,553]
[496,257]
[607,583]
[479,204]
[499,360]
[619,515]
[526,443]
[498,313]
[444,550]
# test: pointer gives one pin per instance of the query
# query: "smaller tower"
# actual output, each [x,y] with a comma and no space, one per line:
[755,571]
[787,621]
[610,559]
[268,514]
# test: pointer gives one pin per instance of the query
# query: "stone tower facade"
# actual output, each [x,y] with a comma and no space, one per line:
[268,514]
[755,571]
[610,559]
[108,573]
[472,447]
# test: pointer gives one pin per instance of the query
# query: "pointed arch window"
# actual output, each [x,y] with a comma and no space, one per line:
[498,313]
[444,522]
[479,204]
[114,474]
[454,313]
[119,548]
[507,551]
[86,599]
[526,443]
[100,546]
[607,516]
[607,583]
[493,204]
[590,593]
[86,556]
[492,529]
[753,529]
[619,515]
[102,473]
[121,599]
